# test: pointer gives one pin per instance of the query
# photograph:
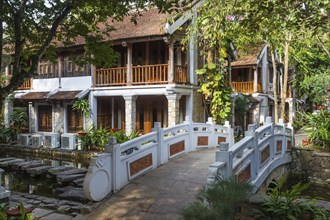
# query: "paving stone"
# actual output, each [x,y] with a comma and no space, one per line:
[64,209]
[56,216]
[38,213]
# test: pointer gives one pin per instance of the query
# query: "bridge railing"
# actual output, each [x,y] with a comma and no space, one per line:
[134,158]
[255,156]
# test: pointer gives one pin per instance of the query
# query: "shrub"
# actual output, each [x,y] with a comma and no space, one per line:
[287,204]
[318,128]
[221,201]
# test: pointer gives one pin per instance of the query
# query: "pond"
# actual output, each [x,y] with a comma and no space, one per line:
[20,181]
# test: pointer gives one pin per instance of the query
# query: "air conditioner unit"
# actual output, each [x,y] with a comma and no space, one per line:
[24,139]
[68,141]
[51,140]
[37,140]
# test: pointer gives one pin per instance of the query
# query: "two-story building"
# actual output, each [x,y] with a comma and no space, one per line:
[154,81]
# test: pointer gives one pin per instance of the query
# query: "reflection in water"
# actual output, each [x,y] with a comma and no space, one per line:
[22,182]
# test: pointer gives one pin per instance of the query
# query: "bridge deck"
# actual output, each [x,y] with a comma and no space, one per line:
[161,193]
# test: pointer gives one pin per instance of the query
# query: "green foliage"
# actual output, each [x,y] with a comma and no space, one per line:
[96,137]
[3,215]
[286,204]
[222,201]
[122,137]
[19,117]
[99,137]
[318,128]
[83,106]
[315,86]
[23,215]
[214,87]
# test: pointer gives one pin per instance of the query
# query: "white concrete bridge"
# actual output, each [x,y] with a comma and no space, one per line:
[252,159]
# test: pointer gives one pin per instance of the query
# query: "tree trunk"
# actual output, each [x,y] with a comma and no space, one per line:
[274,85]
[286,74]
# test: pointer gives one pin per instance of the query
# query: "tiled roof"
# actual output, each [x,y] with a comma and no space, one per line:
[249,56]
[151,23]
[63,95]
[34,96]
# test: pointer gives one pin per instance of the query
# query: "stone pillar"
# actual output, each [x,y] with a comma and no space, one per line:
[193,56]
[130,114]
[129,64]
[8,110]
[291,110]
[173,109]
[58,119]
[255,80]
[32,118]
[171,61]
[264,72]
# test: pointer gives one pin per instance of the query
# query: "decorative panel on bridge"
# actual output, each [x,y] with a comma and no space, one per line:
[244,174]
[177,148]
[279,146]
[140,164]
[202,140]
[289,145]
[221,139]
[265,153]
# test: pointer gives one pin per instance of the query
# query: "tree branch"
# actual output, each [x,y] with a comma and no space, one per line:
[324,47]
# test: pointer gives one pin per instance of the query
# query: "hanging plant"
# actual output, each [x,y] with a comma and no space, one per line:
[82,106]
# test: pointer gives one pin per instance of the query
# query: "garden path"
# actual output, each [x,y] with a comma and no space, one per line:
[161,193]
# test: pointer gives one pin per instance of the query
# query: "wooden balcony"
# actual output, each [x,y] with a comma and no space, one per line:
[112,76]
[245,87]
[140,75]
[26,85]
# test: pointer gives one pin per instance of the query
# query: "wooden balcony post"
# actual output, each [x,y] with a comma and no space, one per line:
[129,64]
[171,61]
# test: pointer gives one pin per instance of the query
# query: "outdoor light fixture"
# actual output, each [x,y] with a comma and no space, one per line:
[124,44]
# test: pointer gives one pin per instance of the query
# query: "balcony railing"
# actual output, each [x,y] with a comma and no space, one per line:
[245,87]
[140,75]
[26,85]
[113,76]
[150,74]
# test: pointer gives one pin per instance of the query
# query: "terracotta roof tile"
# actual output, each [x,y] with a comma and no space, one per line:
[248,56]
[150,23]
[34,96]
[63,95]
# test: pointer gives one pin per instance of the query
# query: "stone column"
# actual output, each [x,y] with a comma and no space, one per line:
[129,64]
[130,113]
[291,109]
[58,118]
[8,110]
[264,72]
[255,79]
[171,62]
[173,109]
[32,118]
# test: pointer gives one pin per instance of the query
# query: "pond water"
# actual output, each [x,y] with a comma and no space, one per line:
[20,181]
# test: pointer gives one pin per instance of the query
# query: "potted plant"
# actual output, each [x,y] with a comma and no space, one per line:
[82,106]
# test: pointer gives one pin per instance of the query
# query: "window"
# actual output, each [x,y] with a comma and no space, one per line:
[74,120]
[72,69]
[46,69]
[45,118]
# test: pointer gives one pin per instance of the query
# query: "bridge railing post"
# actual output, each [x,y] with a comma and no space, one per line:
[189,122]
[225,155]
[283,136]
[292,134]
[114,148]
[272,139]
[212,138]
[255,156]
[230,138]
[161,156]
